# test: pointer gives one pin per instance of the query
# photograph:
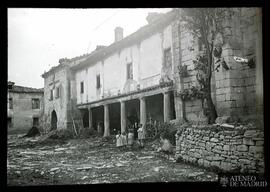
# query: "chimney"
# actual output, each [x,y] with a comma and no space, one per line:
[118,34]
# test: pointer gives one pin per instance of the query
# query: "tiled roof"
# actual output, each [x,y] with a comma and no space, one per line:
[21,89]
[137,36]
[104,51]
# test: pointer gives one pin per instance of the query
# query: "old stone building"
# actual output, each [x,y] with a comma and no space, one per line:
[136,78]
[25,107]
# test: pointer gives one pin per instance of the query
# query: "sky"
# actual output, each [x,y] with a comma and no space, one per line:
[39,37]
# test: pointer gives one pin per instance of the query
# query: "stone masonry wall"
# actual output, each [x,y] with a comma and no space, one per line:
[59,105]
[240,149]
[234,90]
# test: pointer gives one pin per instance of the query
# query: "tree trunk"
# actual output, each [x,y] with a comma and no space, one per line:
[212,113]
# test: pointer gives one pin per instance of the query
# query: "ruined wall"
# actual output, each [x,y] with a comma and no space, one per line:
[240,149]
[58,104]
[234,90]
[22,113]
[146,58]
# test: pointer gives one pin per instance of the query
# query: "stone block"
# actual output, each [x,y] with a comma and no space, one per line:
[201,144]
[248,141]
[197,155]
[215,163]
[259,143]
[256,149]
[244,161]
[234,161]
[226,166]
[206,153]
[258,139]
[200,162]
[217,158]
[214,140]
[226,147]
[258,155]
[250,133]
[221,97]
[206,138]
[242,148]
[218,148]
[208,148]
[206,163]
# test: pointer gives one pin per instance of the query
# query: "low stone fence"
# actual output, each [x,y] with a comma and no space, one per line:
[237,149]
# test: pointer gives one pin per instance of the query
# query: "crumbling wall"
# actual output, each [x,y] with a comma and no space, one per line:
[240,149]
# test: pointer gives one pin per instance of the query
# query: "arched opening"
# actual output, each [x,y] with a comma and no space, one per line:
[53,120]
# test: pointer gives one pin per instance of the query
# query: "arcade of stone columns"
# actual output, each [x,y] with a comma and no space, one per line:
[167,108]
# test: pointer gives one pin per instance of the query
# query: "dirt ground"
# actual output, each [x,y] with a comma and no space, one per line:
[92,160]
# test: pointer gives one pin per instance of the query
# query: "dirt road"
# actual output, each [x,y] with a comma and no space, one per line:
[93,160]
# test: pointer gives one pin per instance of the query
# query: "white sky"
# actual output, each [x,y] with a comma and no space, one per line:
[38,38]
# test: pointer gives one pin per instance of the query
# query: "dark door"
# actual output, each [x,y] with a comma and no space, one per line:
[54,120]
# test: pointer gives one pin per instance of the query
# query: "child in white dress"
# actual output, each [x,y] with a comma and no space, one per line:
[119,142]
[141,135]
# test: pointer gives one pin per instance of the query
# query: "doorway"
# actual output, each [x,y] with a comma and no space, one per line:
[53,120]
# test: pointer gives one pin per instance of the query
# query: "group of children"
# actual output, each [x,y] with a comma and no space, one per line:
[123,139]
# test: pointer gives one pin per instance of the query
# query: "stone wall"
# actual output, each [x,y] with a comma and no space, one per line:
[239,149]
[60,104]
[234,90]
[22,113]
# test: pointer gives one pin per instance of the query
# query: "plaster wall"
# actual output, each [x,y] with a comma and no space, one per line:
[146,58]
[22,113]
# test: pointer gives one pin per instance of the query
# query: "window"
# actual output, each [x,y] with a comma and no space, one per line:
[10,103]
[82,87]
[51,95]
[57,95]
[35,121]
[98,81]
[168,57]
[129,71]
[35,103]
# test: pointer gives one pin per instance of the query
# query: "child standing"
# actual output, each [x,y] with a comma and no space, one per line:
[119,142]
[130,136]
[124,138]
[141,135]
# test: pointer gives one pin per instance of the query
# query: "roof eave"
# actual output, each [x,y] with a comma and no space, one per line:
[127,41]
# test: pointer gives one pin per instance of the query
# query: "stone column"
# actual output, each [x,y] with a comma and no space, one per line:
[106,121]
[90,118]
[123,117]
[166,107]
[142,111]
